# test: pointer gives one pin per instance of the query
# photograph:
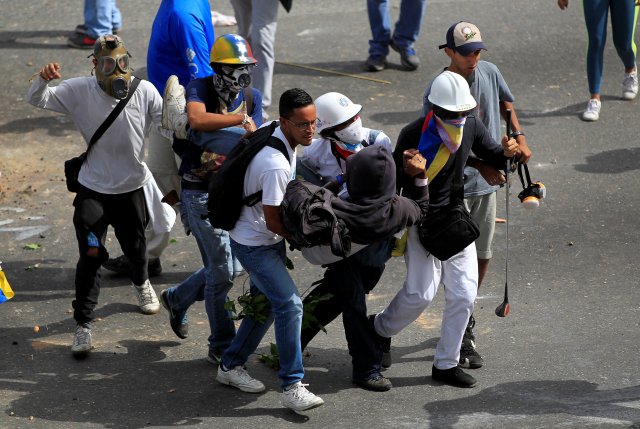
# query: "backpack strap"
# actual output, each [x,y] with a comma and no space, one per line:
[256,197]
[336,154]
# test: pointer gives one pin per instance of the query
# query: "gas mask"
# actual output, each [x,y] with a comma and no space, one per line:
[229,81]
[532,192]
[113,71]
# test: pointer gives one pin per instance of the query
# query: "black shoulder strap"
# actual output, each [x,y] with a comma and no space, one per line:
[113,115]
[256,197]
[457,187]
[526,171]
[276,143]
[336,154]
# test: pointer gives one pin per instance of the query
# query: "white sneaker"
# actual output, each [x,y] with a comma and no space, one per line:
[298,398]
[147,299]
[82,341]
[593,111]
[174,115]
[630,85]
[240,378]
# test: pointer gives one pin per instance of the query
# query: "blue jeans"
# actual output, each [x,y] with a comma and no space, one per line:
[101,17]
[406,30]
[212,282]
[269,276]
[623,23]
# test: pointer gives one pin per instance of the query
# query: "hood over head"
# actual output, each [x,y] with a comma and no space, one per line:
[371,175]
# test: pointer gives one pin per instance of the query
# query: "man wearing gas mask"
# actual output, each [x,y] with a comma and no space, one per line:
[181,39]
[324,161]
[115,187]
[220,109]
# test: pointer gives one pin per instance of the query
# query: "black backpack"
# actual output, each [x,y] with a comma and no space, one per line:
[308,215]
[226,187]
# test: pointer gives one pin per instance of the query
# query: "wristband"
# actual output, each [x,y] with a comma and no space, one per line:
[340,179]
[515,134]
[420,182]
[246,119]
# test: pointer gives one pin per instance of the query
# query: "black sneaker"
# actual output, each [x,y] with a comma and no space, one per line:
[376,63]
[81,41]
[453,376]
[376,382]
[120,266]
[408,57]
[177,320]
[469,357]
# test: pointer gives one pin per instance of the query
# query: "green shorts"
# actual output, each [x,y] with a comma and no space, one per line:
[483,211]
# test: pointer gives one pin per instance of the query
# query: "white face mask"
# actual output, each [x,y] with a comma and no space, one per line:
[353,134]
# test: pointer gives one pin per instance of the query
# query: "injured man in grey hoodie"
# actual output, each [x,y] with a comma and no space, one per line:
[370,213]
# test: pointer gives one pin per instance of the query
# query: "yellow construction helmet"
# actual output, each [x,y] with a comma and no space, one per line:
[233,50]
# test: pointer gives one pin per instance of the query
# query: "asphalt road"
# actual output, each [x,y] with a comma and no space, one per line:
[566,356]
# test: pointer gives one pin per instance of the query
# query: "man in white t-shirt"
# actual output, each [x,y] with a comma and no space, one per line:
[116,188]
[257,241]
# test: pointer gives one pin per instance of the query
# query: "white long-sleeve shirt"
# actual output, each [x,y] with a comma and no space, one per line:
[114,165]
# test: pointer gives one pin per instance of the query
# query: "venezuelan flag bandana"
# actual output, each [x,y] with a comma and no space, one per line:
[439,140]
[5,290]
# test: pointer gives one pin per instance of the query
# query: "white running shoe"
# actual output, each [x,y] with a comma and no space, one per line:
[174,115]
[239,377]
[81,341]
[630,85]
[147,299]
[298,398]
[593,111]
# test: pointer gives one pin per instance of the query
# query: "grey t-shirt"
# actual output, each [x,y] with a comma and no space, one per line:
[489,89]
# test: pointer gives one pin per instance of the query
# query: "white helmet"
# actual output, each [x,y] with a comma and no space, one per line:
[451,92]
[334,109]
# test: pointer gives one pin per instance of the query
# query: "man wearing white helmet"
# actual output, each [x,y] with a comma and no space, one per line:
[342,135]
[464,46]
[439,139]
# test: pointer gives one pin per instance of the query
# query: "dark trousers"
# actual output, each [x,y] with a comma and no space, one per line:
[349,280]
[94,212]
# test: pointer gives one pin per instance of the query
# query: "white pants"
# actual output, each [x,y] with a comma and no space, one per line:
[257,22]
[163,163]
[459,275]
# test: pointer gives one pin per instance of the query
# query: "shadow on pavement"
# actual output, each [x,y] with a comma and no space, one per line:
[22,39]
[132,388]
[56,126]
[538,398]
[612,161]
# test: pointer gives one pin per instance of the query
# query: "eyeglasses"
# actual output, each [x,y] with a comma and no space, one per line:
[107,65]
[304,125]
